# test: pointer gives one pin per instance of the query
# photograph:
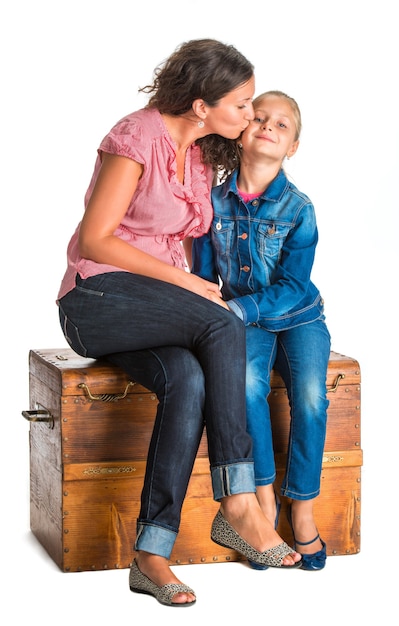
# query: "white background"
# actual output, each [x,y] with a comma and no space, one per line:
[69,71]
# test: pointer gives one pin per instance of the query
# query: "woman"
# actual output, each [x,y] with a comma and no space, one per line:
[127,295]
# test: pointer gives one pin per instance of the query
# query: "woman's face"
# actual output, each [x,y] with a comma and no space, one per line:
[233,112]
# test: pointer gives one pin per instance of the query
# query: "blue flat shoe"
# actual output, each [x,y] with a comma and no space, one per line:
[310,562]
[315,561]
[258,566]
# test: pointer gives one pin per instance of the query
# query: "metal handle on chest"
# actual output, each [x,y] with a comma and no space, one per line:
[336,383]
[106,397]
[39,415]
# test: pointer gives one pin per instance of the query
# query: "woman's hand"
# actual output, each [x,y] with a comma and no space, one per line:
[198,285]
[218,300]
[204,288]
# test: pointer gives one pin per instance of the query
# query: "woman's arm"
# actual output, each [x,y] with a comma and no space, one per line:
[116,183]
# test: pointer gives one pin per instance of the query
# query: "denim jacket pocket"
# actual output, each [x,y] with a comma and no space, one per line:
[222,236]
[270,239]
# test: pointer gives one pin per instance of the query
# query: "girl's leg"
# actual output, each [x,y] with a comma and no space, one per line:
[304,527]
[261,347]
[302,361]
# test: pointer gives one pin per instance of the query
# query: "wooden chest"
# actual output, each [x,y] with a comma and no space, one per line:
[90,428]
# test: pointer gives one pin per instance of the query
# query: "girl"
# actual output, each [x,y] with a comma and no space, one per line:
[261,248]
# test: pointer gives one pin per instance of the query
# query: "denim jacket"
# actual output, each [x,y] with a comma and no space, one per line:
[262,253]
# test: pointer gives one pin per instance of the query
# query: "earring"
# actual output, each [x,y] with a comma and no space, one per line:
[239,145]
[201,124]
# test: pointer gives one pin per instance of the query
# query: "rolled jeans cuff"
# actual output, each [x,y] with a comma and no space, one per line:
[155,539]
[229,480]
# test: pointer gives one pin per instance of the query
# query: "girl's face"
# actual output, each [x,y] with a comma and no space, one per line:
[272,132]
[233,112]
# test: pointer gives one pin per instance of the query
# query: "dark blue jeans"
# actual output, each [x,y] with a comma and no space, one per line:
[191,353]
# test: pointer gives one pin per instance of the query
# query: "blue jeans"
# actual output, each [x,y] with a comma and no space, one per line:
[301,356]
[191,353]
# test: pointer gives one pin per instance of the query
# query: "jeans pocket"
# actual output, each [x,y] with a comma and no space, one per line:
[71,333]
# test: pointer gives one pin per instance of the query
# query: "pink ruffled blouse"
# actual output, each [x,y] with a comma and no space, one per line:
[163,211]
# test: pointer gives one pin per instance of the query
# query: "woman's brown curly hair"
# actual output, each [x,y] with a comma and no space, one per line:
[204,69]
